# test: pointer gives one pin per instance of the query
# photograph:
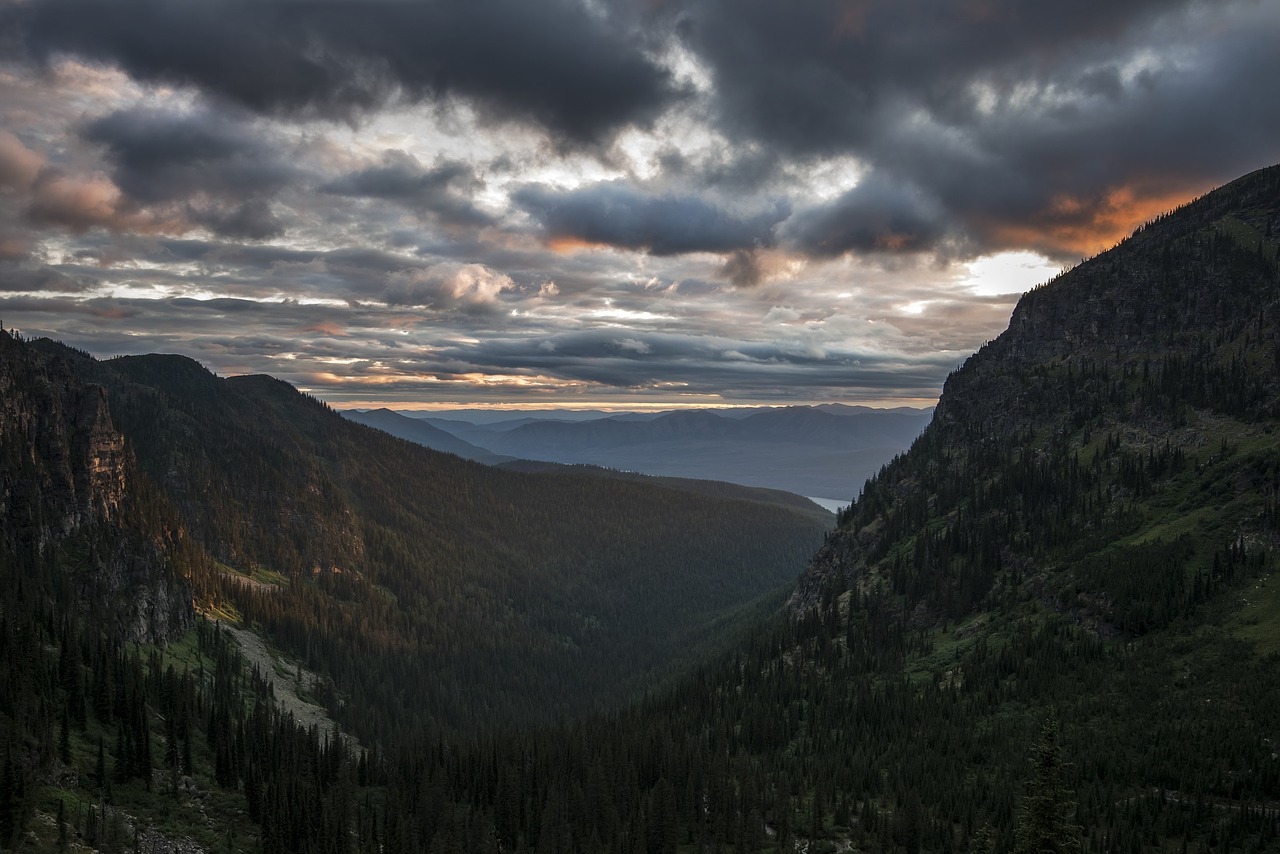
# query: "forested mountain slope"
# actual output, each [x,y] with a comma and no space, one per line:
[1052,625]
[432,588]
[71,487]
[1129,409]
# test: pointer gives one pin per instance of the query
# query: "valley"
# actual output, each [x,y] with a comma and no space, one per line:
[807,450]
[1049,624]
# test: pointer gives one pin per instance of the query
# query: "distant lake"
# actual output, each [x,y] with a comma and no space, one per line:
[829,503]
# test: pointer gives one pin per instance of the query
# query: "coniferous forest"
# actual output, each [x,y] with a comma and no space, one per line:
[1052,625]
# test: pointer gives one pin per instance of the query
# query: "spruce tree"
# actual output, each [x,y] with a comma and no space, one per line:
[1045,825]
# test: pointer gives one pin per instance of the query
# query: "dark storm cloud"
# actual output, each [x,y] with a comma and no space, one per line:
[742,268]
[442,190]
[702,364]
[1072,120]
[160,156]
[18,277]
[1069,180]
[817,76]
[875,216]
[617,214]
[252,220]
[170,249]
[550,63]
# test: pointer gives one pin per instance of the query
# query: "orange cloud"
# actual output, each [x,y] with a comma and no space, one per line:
[19,165]
[568,244]
[851,21]
[326,327]
[1084,227]
[14,247]
[84,203]
[980,10]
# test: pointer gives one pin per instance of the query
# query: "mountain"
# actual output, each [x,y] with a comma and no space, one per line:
[814,451]
[1123,395]
[472,417]
[1088,532]
[482,595]
[1051,625]
[422,433]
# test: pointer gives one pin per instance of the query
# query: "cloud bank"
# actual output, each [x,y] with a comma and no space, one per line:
[685,201]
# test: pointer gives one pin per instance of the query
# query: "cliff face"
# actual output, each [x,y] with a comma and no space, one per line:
[1152,368]
[65,472]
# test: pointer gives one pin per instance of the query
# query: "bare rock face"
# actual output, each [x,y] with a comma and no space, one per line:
[65,480]
[103,452]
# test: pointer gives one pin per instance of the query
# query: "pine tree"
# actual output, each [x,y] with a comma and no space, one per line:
[1045,825]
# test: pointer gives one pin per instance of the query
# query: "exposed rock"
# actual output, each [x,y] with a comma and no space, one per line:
[64,476]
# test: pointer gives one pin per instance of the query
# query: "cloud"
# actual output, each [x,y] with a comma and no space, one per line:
[448,285]
[19,277]
[1003,117]
[160,156]
[441,191]
[617,214]
[251,220]
[81,203]
[819,77]
[876,216]
[551,64]
[19,165]
[742,268]
[207,168]
[776,198]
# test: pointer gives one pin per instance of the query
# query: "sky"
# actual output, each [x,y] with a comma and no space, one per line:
[597,203]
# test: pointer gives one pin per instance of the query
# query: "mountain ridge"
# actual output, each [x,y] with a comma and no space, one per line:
[425,434]
[1078,344]
[299,518]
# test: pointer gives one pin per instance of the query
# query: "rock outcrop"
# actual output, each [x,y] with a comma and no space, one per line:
[66,502]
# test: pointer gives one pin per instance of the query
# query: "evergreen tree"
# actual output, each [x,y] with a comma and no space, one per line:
[1045,824]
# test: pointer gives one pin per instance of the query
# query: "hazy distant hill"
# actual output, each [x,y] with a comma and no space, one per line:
[420,432]
[814,451]
[716,488]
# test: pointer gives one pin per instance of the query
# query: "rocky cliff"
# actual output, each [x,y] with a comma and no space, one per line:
[66,501]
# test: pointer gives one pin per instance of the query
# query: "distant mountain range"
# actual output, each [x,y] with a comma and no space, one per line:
[817,451]
[423,433]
